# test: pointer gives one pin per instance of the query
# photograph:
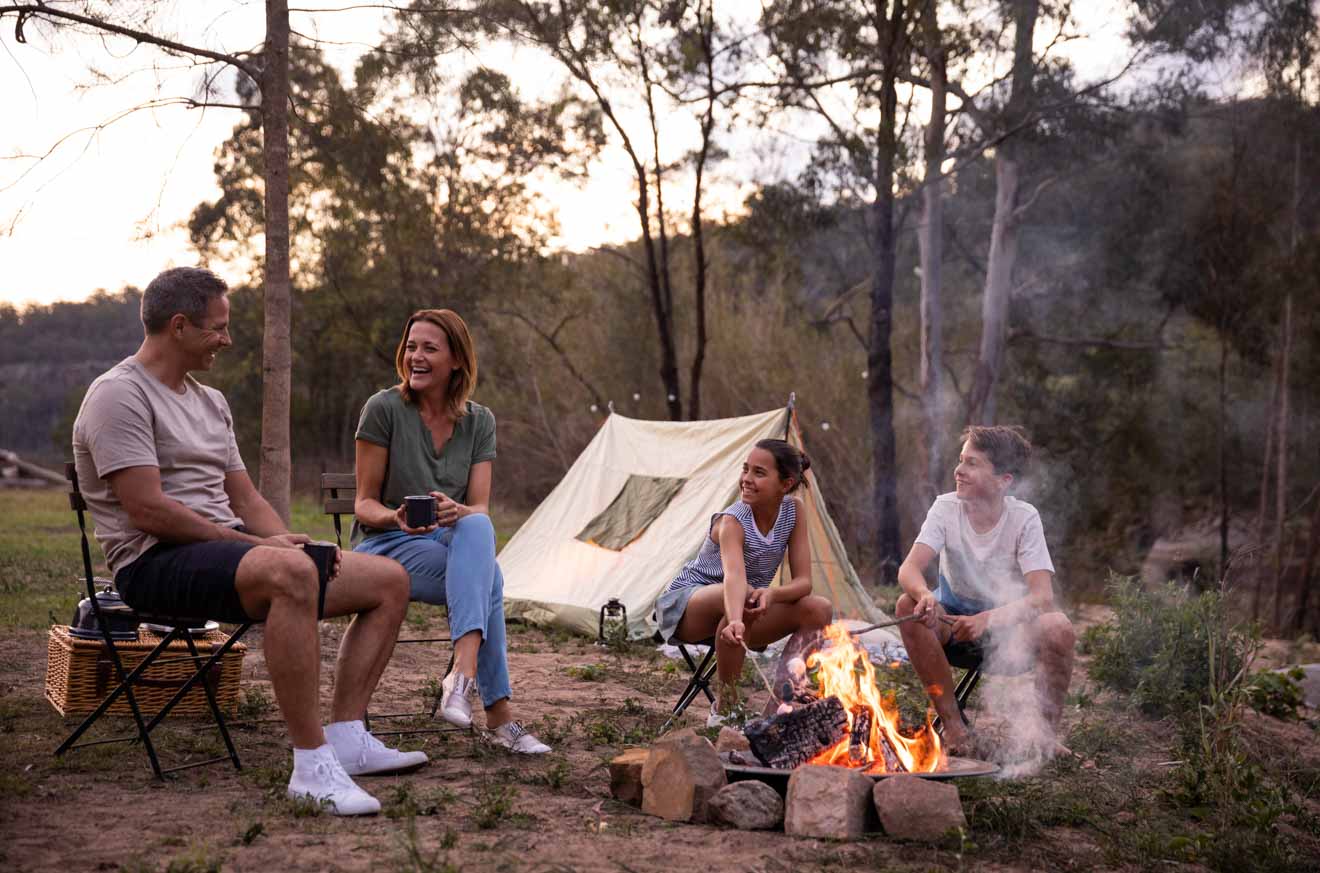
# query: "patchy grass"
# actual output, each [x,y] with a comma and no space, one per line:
[1143,793]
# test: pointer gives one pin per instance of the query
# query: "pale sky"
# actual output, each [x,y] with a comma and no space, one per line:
[106,208]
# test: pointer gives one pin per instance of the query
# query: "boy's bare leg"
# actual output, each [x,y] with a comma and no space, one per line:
[1055,650]
[925,648]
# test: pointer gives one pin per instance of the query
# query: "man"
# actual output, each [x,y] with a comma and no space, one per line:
[995,594]
[185,533]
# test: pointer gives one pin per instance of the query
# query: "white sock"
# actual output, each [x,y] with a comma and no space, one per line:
[344,730]
[305,758]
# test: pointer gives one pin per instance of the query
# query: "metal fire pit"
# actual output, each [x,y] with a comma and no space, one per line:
[778,779]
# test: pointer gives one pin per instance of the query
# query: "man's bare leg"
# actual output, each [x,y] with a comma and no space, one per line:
[925,648]
[280,587]
[375,591]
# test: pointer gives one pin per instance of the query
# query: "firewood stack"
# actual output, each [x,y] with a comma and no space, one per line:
[793,738]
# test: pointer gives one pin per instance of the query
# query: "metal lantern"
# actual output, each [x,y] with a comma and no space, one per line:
[613,610]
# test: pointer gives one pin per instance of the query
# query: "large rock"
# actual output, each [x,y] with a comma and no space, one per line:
[626,776]
[731,740]
[912,808]
[1310,683]
[747,806]
[681,775]
[827,801]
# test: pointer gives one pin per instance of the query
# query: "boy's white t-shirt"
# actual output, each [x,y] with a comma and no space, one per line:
[986,569]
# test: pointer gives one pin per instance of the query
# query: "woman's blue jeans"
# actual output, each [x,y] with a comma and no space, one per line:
[455,566]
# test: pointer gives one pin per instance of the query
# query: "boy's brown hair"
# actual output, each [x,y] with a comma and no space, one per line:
[1006,446]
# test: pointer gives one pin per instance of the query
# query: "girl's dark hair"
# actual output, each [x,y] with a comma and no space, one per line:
[791,461]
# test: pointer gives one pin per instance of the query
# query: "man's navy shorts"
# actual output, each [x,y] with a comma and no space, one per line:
[187,580]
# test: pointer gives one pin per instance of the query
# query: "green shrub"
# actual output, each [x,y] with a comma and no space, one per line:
[1168,650]
[1277,694]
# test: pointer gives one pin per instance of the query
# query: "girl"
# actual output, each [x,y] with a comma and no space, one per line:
[725,590]
[425,436]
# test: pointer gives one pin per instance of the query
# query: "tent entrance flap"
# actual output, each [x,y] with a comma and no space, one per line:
[639,502]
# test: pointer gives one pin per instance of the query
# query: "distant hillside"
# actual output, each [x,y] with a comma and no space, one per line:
[48,357]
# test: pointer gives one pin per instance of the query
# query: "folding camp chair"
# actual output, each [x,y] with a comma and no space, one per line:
[699,682]
[969,661]
[179,625]
[338,492]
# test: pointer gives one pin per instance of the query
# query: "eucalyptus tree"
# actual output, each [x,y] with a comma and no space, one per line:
[642,65]
[267,70]
[402,200]
[841,62]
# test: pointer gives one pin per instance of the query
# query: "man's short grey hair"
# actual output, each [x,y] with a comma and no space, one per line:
[186,291]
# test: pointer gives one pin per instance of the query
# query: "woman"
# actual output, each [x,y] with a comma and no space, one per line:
[725,590]
[424,436]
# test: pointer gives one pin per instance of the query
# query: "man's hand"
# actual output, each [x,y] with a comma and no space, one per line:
[401,519]
[928,610]
[755,604]
[286,540]
[733,633]
[970,628]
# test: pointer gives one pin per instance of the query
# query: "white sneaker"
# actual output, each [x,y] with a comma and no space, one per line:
[323,780]
[717,719]
[361,754]
[514,737]
[455,706]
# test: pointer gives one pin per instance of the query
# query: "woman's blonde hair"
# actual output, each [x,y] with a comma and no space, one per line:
[463,381]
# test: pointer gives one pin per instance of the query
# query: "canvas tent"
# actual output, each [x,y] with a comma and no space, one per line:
[635,506]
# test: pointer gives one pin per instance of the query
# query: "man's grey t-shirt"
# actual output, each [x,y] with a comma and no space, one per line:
[986,569]
[413,465]
[129,418]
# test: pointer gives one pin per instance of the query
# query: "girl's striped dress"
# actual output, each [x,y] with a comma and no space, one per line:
[762,554]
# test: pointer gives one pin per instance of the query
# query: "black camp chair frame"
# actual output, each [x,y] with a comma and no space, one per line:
[971,677]
[699,682]
[338,493]
[178,631]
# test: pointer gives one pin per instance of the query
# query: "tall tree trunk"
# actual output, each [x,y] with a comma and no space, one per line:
[1003,233]
[1263,564]
[879,358]
[930,238]
[705,13]
[1307,576]
[276,354]
[1281,463]
[1223,456]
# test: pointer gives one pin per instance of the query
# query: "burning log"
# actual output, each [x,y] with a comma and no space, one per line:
[893,764]
[859,743]
[793,738]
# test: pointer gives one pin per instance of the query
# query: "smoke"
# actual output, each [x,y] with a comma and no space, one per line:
[1012,726]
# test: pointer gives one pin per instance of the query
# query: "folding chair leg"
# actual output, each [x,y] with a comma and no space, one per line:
[963,692]
[700,682]
[198,676]
[215,707]
[125,687]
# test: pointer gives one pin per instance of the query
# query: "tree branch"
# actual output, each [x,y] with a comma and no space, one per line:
[24,11]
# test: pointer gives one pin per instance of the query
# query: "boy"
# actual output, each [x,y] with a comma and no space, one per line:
[995,594]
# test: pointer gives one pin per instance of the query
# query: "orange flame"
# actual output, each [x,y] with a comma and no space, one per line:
[845,672]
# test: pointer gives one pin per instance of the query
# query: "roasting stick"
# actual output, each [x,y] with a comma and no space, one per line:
[904,620]
[764,681]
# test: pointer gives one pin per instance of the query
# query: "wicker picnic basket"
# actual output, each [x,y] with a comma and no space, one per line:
[79,674]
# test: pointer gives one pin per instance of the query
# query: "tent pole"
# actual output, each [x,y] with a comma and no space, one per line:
[788,414]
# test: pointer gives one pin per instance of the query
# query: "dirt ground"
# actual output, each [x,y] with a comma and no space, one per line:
[476,808]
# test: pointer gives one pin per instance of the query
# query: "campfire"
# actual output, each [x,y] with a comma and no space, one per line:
[849,723]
